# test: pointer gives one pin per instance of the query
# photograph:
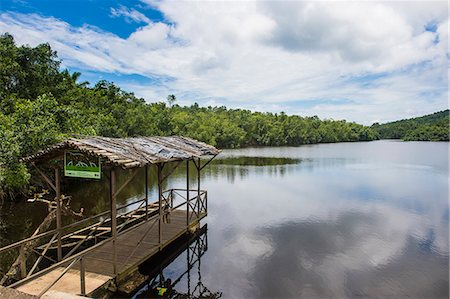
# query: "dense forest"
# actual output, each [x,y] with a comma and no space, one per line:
[432,127]
[41,104]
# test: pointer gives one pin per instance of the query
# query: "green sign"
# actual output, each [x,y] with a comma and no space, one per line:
[80,165]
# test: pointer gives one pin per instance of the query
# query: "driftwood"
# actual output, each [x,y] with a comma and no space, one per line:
[14,273]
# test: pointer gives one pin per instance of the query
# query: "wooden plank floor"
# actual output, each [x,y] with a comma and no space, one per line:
[133,248]
[69,283]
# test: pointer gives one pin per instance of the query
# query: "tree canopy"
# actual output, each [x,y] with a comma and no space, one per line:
[40,104]
[432,127]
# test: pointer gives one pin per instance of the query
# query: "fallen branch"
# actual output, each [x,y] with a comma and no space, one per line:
[14,272]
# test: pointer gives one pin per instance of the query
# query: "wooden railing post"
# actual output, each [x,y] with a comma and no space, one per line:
[82,278]
[206,201]
[198,186]
[188,202]
[113,217]
[48,287]
[58,212]
[160,205]
[146,192]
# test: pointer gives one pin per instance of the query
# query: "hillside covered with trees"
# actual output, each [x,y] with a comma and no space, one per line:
[432,127]
[41,104]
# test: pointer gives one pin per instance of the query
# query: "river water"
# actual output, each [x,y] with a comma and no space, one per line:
[328,220]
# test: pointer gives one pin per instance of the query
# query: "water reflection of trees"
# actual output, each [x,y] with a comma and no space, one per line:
[255,161]
[232,173]
[186,281]
[93,195]
[18,220]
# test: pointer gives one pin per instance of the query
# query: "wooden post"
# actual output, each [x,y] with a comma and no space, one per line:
[113,216]
[58,211]
[189,271]
[146,192]
[198,186]
[159,204]
[188,202]
[82,278]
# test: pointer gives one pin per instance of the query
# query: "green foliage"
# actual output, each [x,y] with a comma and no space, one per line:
[41,105]
[27,72]
[432,127]
[13,175]
[428,133]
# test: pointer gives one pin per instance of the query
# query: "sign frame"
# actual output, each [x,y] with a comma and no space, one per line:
[86,167]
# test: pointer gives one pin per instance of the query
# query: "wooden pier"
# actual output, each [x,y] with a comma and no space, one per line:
[134,247]
[94,256]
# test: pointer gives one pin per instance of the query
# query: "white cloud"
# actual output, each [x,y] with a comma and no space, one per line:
[355,31]
[270,55]
[152,36]
[130,15]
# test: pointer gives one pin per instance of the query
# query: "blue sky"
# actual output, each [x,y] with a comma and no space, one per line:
[360,61]
[80,12]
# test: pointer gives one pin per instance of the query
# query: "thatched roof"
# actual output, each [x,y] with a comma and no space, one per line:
[130,152]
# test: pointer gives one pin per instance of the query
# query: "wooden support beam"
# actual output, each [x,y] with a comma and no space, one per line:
[105,173]
[146,192]
[58,211]
[160,167]
[187,193]
[126,182]
[198,185]
[195,163]
[85,238]
[113,208]
[82,278]
[57,279]
[49,182]
[44,256]
[41,255]
[189,273]
[209,161]
[171,171]
[206,201]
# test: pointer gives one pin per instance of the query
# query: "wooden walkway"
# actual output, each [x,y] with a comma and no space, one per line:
[133,248]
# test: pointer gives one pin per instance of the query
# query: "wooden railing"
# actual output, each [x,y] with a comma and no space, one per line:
[86,230]
[173,199]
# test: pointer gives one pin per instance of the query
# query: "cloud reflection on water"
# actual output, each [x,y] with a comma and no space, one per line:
[357,255]
[330,229]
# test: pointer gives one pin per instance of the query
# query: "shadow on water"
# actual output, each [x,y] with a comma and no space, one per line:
[176,271]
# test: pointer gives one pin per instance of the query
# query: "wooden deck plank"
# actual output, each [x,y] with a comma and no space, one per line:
[132,248]
[69,283]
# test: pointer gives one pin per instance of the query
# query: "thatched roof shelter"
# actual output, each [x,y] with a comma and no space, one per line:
[129,152]
[115,153]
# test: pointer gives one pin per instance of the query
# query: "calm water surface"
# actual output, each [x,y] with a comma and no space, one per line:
[330,220]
